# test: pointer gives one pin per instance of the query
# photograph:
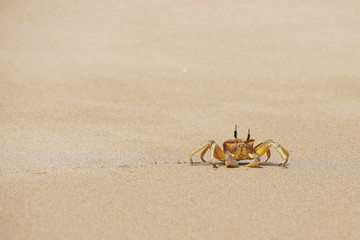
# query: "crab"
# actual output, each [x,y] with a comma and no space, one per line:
[237,149]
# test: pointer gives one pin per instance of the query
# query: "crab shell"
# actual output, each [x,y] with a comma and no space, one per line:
[240,149]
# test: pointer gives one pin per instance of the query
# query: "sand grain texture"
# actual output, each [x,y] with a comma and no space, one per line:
[101,103]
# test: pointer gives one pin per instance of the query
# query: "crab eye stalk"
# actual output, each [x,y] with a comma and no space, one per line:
[248,137]
[235,132]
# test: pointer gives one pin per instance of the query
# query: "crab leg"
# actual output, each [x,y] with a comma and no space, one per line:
[263,148]
[217,153]
[203,153]
[268,153]
[205,145]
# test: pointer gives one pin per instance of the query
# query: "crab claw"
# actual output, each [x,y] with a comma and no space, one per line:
[254,163]
[230,162]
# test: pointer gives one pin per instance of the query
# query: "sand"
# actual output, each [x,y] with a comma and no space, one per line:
[101,103]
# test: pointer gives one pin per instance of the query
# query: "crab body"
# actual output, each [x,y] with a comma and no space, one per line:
[237,149]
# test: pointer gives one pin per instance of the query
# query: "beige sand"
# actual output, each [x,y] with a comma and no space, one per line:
[102,101]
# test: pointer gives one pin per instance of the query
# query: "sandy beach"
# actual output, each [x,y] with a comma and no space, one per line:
[101,103]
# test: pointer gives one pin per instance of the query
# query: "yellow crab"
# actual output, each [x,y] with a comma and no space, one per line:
[237,149]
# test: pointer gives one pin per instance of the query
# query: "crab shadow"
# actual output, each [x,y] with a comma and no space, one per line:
[241,164]
[271,164]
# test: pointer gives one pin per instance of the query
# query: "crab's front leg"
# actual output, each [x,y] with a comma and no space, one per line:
[263,148]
